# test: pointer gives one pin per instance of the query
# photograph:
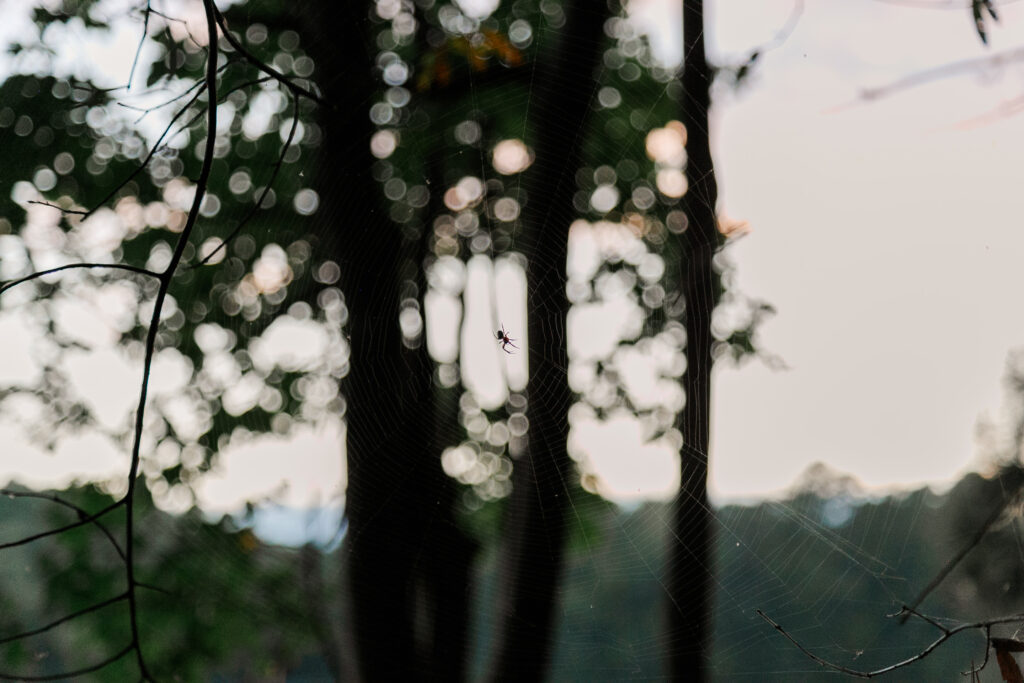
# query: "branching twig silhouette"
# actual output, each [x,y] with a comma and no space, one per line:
[142,41]
[145,111]
[993,517]
[4,286]
[138,169]
[296,89]
[164,277]
[266,190]
[154,323]
[88,519]
[64,619]
[71,674]
[82,514]
[947,633]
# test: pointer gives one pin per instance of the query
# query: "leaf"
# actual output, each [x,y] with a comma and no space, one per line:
[1008,644]
[1008,667]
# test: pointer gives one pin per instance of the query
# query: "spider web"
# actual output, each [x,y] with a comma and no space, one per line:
[828,567]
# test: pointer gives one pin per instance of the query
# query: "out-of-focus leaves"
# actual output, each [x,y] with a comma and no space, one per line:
[436,66]
[227,604]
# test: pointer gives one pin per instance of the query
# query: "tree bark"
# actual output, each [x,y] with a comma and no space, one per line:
[690,560]
[396,488]
[535,526]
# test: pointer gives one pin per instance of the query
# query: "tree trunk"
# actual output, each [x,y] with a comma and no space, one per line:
[396,487]
[690,559]
[448,561]
[535,527]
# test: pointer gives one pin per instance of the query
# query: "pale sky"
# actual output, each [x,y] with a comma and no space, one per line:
[885,233]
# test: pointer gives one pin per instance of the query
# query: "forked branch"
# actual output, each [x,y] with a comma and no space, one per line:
[947,633]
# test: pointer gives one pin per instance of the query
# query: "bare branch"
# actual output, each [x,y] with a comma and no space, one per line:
[42,273]
[905,612]
[296,89]
[947,634]
[142,41]
[66,618]
[151,587]
[992,518]
[266,190]
[59,530]
[152,152]
[73,212]
[81,513]
[154,323]
[184,23]
[147,110]
[70,674]
[975,672]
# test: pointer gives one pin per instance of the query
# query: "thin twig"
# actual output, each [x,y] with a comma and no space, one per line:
[69,674]
[156,147]
[42,273]
[151,587]
[154,323]
[66,618]
[184,23]
[59,530]
[266,191]
[81,513]
[993,517]
[296,89]
[147,110]
[906,611]
[142,41]
[1016,618]
[988,642]
[74,212]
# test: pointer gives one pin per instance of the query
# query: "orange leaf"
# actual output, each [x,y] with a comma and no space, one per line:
[1007,664]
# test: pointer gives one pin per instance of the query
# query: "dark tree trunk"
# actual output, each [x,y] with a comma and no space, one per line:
[535,527]
[690,558]
[449,552]
[398,500]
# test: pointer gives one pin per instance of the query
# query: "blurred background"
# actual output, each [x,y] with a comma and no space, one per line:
[332,317]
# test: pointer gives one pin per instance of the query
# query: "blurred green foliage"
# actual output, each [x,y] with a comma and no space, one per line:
[218,600]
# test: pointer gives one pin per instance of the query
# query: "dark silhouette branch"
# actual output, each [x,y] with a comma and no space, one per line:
[152,152]
[947,633]
[266,190]
[296,89]
[198,84]
[66,618]
[59,530]
[154,323]
[72,212]
[184,23]
[974,672]
[993,517]
[82,514]
[70,674]
[42,273]
[906,612]
[142,41]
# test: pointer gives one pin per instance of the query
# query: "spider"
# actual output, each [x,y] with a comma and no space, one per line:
[505,340]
